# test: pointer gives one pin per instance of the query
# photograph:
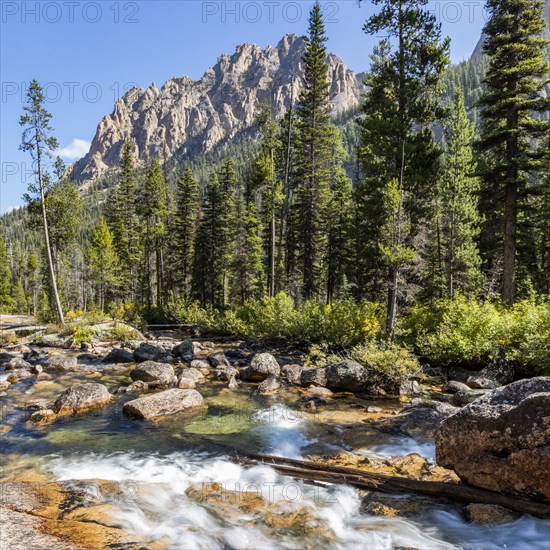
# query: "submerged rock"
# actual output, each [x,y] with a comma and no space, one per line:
[271,384]
[489,513]
[61,363]
[164,403]
[159,374]
[501,441]
[119,355]
[13,376]
[42,417]
[262,366]
[82,397]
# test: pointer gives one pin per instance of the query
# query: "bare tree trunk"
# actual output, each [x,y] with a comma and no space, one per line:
[47,234]
[509,258]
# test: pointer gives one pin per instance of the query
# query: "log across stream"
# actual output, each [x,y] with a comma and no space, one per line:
[395,485]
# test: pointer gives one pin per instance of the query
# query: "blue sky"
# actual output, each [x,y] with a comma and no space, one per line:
[86,54]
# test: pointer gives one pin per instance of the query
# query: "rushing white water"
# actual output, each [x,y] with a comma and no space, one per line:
[399,446]
[154,505]
[282,430]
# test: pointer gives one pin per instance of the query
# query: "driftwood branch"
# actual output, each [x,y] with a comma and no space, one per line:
[391,484]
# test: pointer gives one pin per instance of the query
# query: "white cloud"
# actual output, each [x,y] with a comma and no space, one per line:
[7,209]
[75,150]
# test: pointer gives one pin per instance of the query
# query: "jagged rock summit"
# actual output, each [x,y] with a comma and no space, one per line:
[193,116]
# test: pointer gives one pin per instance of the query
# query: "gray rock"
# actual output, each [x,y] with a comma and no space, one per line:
[149,352]
[482,383]
[191,373]
[61,363]
[218,360]
[185,349]
[41,417]
[14,376]
[18,363]
[155,374]
[461,375]
[203,114]
[453,386]
[463,397]
[292,373]
[501,441]
[233,384]
[186,383]
[346,376]
[420,418]
[318,390]
[82,397]
[119,355]
[314,377]
[226,373]
[270,385]
[201,365]
[261,366]
[164,403]
[5,357]
[501,371]
[410,388]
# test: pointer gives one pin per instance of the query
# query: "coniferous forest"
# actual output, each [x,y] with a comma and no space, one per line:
[420,221]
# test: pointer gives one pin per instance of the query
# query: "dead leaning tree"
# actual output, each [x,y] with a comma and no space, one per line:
[395,485]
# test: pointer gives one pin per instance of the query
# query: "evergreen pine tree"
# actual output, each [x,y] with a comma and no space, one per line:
[315,144]
[103,262]
[400,109]
[187,217]
[123,223]
[459,206]
[6,302]
[514,81]
[152,210]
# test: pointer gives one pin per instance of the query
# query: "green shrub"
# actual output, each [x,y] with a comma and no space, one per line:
[81,334]
[122,332]
[475,332]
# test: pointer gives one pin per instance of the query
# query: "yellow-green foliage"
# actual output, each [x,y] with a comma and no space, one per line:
[121,332]
[342,323]
[475,332]
[387,363]
[81,333]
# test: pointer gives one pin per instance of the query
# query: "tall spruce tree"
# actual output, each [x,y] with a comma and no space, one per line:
[271,193]
[513,95]
[459,206]
[315,141]
[152,209]
[37,139]
[6,301]
[123,223]
[400,109]
[187,218]
[340,226]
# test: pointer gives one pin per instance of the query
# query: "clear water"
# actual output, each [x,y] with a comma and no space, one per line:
[166,470]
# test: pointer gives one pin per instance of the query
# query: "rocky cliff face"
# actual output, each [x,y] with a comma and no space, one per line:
[195,116]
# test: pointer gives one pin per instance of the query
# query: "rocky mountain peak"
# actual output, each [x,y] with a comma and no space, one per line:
[187,115]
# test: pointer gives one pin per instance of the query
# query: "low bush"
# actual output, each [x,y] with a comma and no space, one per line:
[475,332]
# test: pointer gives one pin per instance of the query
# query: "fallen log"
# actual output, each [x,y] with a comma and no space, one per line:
[395,485]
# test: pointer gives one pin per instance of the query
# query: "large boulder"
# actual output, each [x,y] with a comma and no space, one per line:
[164,403]
[149,352]
[314,377]
[262,366]
[119,355]
[61,363]
[501,441]
[18,363]
[346,376]
[82,397]
[192,374]
[292,373]
[155,374]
